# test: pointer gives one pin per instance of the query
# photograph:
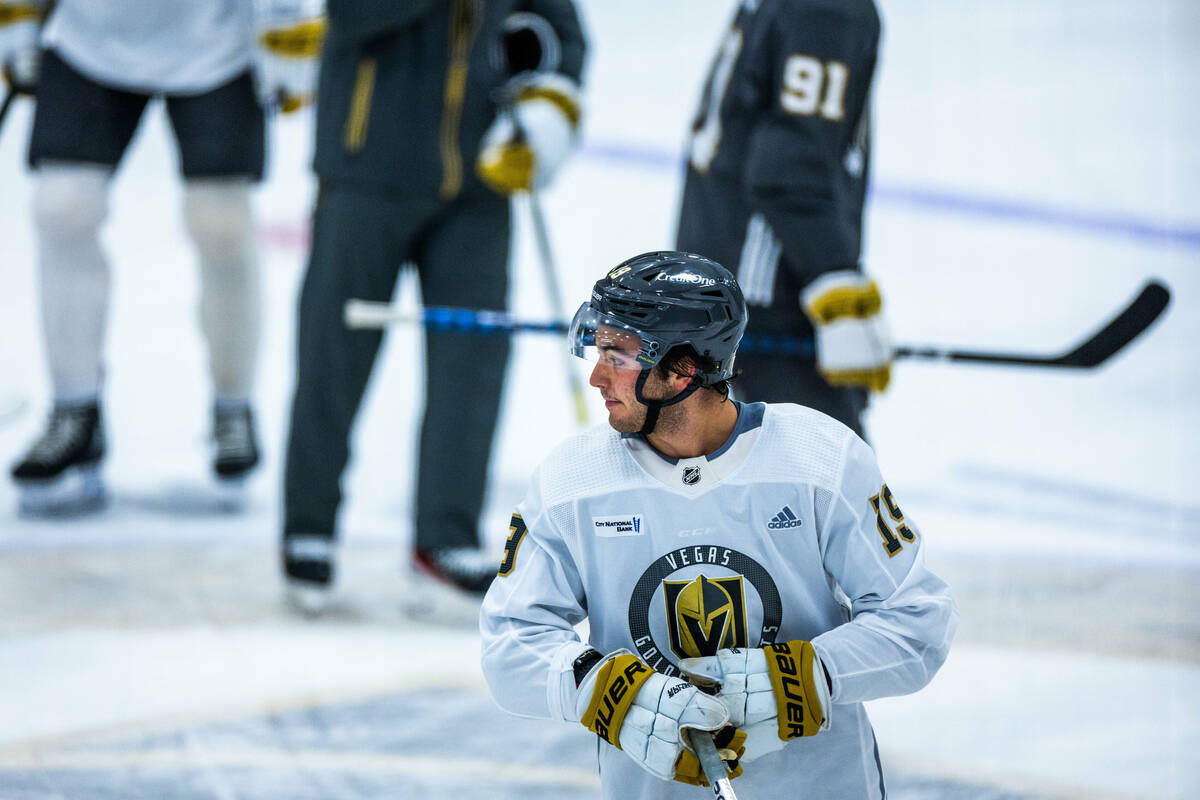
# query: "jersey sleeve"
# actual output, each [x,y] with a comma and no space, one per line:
[529,644]
[811,65]
[903,617]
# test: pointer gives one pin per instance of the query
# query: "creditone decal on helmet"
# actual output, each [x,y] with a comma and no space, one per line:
[656,301]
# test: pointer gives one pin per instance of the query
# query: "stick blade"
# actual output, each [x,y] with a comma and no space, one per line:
[1147,307]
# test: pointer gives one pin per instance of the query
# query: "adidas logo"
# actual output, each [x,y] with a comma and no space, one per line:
[784,519]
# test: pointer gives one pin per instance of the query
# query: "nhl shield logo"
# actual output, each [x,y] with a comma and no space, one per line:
[691,475]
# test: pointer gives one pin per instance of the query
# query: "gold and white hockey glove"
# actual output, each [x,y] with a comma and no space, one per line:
[643,713]
[290,38]
[19,53]
[853,347]
[775,694]
[531,138]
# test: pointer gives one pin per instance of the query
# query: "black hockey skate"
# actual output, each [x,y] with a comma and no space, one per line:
[236,451]
[447,585]
[236,442]
[60,475]
[468,569]
[308,562]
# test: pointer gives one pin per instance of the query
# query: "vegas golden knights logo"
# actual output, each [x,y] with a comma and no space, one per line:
[705,615]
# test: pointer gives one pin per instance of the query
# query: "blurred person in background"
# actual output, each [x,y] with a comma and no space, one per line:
[776,180]
[429,115]
[93,68]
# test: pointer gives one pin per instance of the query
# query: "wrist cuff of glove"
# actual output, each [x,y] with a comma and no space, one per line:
[558,90]
[300,39]
[583,665]
[613,683]
[841,294]
[12,13]
[801,689]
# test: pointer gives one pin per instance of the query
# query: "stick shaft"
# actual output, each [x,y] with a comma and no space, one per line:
[1098,348]
[713,766]
[554,291]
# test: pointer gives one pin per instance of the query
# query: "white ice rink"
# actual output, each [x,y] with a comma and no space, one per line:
[1035,162]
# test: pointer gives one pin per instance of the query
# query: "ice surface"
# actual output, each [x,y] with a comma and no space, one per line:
[1035,163]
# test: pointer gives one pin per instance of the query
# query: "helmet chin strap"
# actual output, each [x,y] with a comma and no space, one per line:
[653,407]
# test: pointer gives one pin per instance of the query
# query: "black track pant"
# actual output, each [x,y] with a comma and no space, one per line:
[360,241]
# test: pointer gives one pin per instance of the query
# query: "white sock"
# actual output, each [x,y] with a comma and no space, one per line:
[70,203]
[218,217]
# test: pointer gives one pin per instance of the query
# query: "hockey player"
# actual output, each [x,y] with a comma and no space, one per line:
[101,63]
[430,114]
[751,549]
[776,180]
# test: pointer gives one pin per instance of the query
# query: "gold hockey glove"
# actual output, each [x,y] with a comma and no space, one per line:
[642,713]
[853,347]
[530,139]
[19,54]
[289,50]
[776,693]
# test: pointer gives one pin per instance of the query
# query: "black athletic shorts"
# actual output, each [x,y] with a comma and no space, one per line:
[220,133]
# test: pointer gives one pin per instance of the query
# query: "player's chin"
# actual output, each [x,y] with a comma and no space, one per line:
[622,422]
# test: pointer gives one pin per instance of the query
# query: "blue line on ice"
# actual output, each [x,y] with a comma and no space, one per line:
[951,202]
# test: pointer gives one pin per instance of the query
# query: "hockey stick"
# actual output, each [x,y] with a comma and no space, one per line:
[4,106]
[550,273]
[1118,332]
[1122,329]
[712,765]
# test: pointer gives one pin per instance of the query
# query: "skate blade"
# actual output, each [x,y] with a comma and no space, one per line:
[231,494]
[78,491]
[429,600]
[307,599]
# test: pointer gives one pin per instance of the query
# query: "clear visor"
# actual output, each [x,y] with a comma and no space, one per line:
[600,338]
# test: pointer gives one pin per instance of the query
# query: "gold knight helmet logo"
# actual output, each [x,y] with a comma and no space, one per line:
[705,615]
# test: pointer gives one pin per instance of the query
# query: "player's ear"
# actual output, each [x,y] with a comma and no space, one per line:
[683,373]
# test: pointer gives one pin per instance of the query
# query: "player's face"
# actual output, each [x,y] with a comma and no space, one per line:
[616,374]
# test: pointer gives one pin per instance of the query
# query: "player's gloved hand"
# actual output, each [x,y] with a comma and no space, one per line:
[853,347]
[775,694]
[643,713]
[289,48]
[19,53]
[532,136]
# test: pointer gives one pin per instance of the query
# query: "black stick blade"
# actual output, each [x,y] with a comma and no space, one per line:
[1139,315]
[1123,329]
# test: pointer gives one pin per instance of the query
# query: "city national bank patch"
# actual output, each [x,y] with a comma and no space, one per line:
[620,525]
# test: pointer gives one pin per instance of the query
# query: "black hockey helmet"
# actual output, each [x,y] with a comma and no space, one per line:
[667,298]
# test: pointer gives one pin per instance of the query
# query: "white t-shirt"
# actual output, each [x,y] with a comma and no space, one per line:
[154,46]
[788,532]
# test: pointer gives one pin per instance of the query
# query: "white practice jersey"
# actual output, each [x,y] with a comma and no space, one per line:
[154,46]
[787,532]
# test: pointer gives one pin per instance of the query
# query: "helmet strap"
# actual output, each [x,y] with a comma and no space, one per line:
[653,407]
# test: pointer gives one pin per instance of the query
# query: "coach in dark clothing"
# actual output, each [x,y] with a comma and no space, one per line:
[416,162]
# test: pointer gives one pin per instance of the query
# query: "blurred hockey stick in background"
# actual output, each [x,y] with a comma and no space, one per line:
[4,106]
[554,291]
[1122,329]
[1115,334]
[711,763]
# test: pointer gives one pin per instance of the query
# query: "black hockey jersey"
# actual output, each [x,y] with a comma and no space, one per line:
[779,150]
